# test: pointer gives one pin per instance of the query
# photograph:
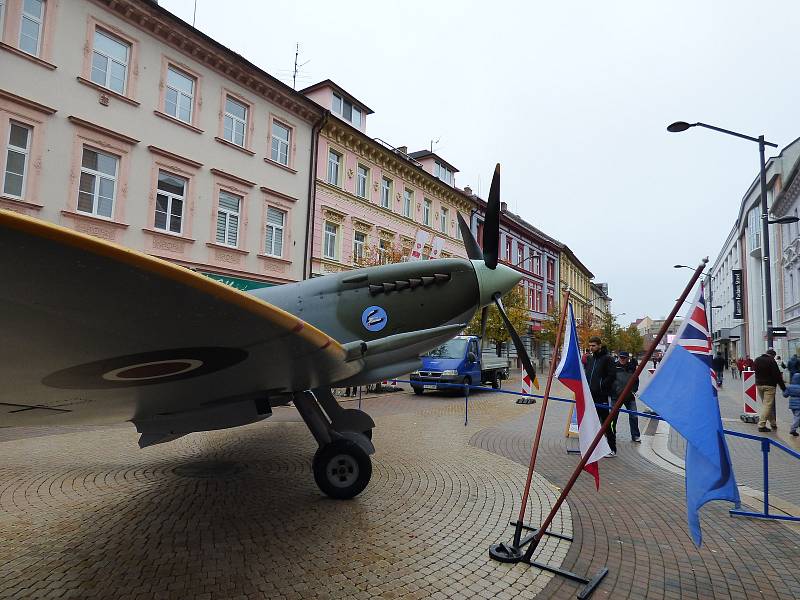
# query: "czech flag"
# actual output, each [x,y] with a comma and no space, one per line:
[570,373]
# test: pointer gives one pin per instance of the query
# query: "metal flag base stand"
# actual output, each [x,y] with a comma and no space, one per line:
[509,553]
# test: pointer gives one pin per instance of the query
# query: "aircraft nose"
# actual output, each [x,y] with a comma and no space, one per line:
[492,281]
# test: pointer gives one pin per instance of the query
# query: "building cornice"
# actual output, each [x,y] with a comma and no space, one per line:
[356,141]
[157,21]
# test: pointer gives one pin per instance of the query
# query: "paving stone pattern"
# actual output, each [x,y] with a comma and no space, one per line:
[636,525]
[235,514]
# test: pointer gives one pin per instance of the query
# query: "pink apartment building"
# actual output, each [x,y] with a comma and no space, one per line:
[119,120]
[373,199]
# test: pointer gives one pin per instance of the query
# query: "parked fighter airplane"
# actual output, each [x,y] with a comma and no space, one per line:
[94,333]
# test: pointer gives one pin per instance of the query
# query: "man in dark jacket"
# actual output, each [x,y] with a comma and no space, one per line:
[768,375]
[623,372]
[600,375]
[718,364]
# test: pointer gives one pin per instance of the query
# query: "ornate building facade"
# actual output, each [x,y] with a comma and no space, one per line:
[120,120]
[372,200]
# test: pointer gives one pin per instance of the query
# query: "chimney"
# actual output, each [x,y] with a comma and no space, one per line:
[503,207]
[403,149]
[468,190]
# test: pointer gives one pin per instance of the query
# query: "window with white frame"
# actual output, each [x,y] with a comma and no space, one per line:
[334,167]
[345,109]
[276,221]
[362,181]
[179,96]
[97,187]
[442,172]
[110,57]
[228,219]
[537,297]
[170,200]
[536,262]
[359,243]
[444,220]
[426,212]
[329,245]
[234,123]
[384,251]
[30,30]
[2,15]
[408,202]
[458,228]
[386,192]
[17,157]
[281,140]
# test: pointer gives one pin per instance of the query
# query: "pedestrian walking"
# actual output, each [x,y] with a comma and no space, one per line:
[794,363]
[734,368]
[718,364]
[748,363]
[781,366]
[767,377]
[623,372]
[599,374]
[792,392]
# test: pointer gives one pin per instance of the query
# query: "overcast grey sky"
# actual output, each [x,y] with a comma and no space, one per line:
[571,97]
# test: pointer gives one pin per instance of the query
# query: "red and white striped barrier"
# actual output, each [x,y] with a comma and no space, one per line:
[749,392]
[527,384]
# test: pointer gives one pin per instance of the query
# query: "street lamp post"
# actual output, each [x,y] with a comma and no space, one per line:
[679,126]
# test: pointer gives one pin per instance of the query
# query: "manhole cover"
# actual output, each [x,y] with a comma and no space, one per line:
[209,469]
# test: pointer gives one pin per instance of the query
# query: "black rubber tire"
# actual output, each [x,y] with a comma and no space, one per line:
[368,433]
[418,390]
[350,469]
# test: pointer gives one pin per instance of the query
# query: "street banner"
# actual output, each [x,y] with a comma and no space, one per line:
[749,392]
[738,313]
[436,248]
[419,244]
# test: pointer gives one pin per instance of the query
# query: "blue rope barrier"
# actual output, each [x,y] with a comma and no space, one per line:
[765,442]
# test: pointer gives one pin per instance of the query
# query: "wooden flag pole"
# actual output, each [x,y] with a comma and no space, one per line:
[545,398]
[612,414]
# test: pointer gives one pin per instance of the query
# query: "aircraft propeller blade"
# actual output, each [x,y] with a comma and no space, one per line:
[474,251]
[522,353]
[491,225]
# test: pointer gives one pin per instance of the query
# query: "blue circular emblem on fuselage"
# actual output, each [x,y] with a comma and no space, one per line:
[374,318]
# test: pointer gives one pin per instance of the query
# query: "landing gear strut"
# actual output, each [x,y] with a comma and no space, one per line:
[342,467]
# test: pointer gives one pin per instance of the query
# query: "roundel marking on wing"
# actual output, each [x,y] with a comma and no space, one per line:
[153,370]
[147,368]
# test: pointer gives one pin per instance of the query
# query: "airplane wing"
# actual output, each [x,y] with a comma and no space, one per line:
[91,332]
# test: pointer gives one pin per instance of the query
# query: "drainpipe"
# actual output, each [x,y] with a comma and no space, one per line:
[308,253]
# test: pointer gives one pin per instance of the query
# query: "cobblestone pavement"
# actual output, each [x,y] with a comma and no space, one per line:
[235,514]
[746,454]
[636,525]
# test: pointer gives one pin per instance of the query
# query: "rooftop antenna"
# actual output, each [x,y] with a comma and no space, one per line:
[296,66]
[194,15]
[434,141]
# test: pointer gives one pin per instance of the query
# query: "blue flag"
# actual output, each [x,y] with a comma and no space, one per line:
[683,393]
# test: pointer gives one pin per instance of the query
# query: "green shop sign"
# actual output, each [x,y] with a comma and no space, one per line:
[238,282]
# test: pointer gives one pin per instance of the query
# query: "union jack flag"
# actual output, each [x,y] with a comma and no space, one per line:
[693,333]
